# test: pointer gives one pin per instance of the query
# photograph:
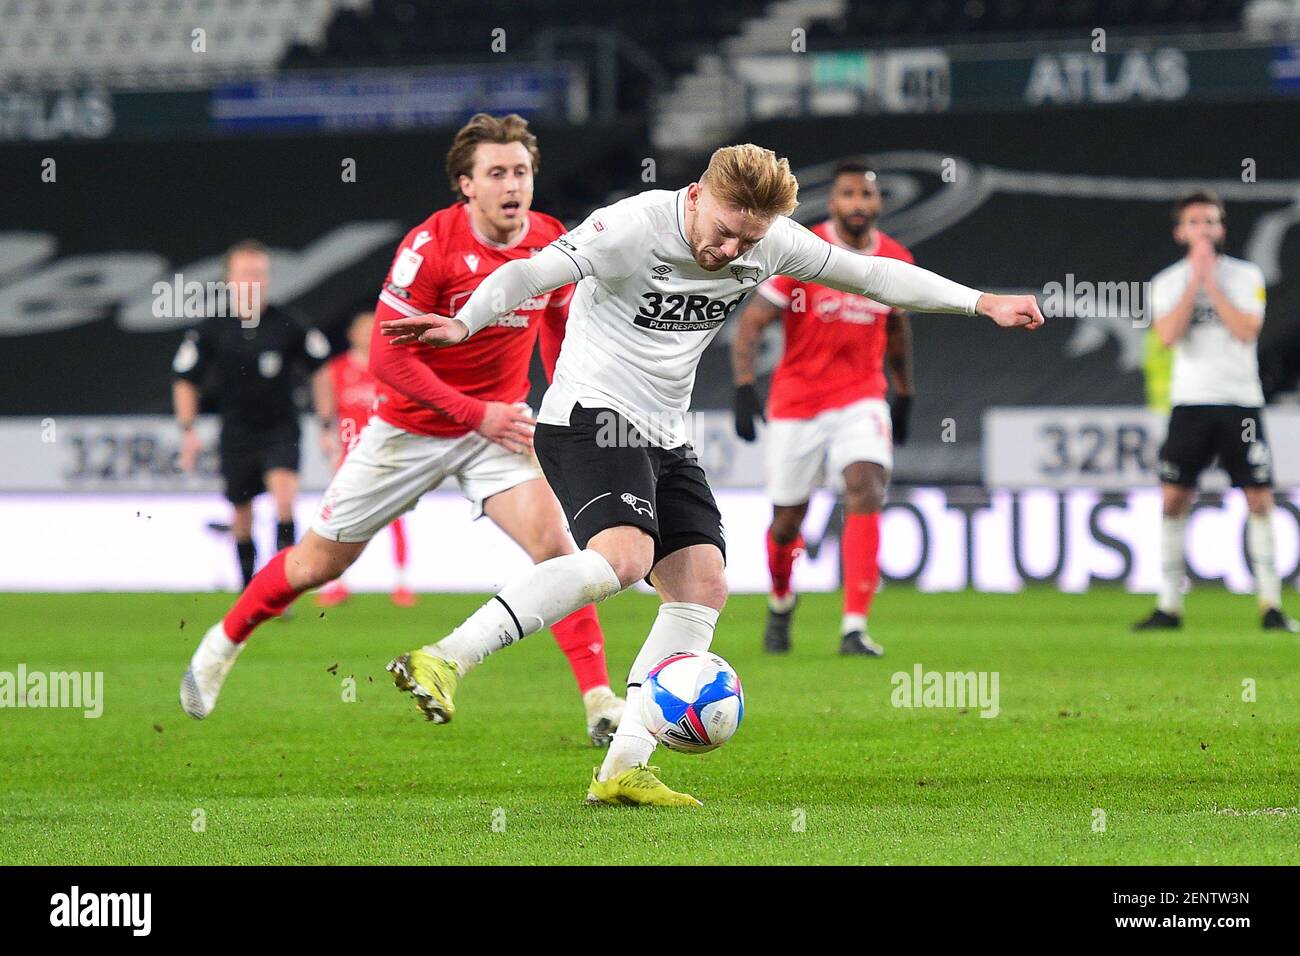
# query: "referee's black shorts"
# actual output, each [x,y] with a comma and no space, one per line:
[605,474]
[1232,434]
[247,454]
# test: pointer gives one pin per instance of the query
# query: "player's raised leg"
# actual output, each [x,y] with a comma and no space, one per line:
[308,564]
[530,514]
[383,476]
[546,593]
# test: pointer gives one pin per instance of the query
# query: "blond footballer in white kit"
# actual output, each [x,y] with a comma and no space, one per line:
[658,274]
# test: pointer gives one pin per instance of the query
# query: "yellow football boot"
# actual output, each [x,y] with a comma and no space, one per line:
[430,680]
[637,787]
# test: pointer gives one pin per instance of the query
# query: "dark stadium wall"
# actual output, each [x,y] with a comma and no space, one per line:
[1019,229]
[1022,212]
[178,203]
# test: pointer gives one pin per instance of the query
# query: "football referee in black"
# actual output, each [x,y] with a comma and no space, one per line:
[250,357]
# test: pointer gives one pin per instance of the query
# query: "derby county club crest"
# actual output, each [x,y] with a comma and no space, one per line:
[743,273]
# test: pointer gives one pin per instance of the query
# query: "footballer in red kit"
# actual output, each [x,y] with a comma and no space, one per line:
[457,412]
[349,398]
[827,413]
[438,266]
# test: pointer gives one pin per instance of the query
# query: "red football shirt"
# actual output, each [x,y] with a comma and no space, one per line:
[354,396]
[834,341]
[438,266]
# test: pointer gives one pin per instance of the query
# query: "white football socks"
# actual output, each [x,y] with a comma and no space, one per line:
[853,622]
[678,627]
[1173,531]
[546,593]
[1259,545]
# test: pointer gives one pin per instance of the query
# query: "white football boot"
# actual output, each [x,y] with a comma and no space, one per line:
[208,668]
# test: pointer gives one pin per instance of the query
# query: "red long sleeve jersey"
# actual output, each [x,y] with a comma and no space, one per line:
[444,392]
[834,341]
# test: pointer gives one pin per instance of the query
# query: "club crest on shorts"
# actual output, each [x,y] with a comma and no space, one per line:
[639,505]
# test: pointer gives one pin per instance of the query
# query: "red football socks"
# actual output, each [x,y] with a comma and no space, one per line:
[266,596]
[780,562]
[583,643]
[860,552]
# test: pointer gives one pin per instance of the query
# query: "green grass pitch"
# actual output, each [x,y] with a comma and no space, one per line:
[1152,731]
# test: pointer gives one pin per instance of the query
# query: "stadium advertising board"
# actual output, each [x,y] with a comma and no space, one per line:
[398,99]
[926,80]
[1106,447]
[933,538]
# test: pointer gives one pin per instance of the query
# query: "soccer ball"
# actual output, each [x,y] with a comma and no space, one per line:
[692,702]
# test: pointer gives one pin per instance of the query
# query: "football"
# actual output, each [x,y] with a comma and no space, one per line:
[692,702]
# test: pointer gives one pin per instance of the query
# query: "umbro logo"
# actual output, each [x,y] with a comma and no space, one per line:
[661,272]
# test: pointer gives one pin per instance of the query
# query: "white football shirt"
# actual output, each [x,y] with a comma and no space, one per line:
[644,310]
[1211,365]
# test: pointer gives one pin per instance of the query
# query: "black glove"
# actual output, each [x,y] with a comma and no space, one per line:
[748,406]
[900,407]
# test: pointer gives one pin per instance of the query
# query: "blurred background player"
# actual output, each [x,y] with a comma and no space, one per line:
[250,359]
[827,416]
[1209,309]
[349,397]
[455,412]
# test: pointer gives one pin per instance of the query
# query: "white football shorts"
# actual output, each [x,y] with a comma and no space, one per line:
[801,453]
[389,468]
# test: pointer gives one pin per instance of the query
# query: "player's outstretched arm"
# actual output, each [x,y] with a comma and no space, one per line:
[501,292]
[906,286]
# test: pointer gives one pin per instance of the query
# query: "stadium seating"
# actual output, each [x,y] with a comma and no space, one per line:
[389,32]
[127,43]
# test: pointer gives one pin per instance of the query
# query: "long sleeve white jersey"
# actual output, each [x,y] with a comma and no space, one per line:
[645,311]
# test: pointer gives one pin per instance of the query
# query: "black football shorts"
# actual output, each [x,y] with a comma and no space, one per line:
[1201,434]
[603,481]
[248,454]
